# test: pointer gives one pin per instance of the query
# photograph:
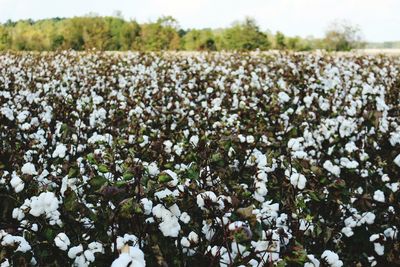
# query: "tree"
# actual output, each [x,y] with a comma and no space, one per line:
[280,40]
[199,40]
[343,36]
[244,36]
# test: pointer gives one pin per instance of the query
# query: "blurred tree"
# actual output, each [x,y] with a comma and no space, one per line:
[343,36]
[280,41]
[244,36]
[199,40]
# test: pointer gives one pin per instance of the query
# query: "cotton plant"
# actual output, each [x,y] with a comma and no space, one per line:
[170,159]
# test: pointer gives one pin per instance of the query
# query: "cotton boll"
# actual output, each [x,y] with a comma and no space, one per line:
[62,241]
[130,256]
[194,140]
[397,160]
[29,169]
[331,258]
[205,195]
[250,139]
[185,218]
[153,169]
[17,183]
[379,196]
[283,97]
[147,205]
[59,152]
[193,237]
[74,251]
[123,260]
[335,170]
[298,180]
[185,242]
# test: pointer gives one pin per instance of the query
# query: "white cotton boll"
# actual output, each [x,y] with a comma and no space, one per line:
[62,241]
[250,139]
[346,128]
[379,249]
[34,227]
[347,231]
[205,195]
[185,242]
[385,178]
[349,164]
[170,226]
[193,237]
[18,214]
[89,255]
[122,261]
[331,258]
[153,169]
[29,169]
[17,183]
[22,116]
[59,152]
[185,218]
[390,233]
[174,177]
[298,180]
[8,113]
[168,146]
[379,196]
[369,217]
[242,139]
[174,209]
[194,140]
[147,205]
[335,170]
[207,230]
[397,160]
[313,262]
[74,251]
[283,97]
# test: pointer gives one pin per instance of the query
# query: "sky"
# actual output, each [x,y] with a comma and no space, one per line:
[378,19]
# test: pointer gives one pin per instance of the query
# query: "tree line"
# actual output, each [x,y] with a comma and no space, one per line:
[114,33]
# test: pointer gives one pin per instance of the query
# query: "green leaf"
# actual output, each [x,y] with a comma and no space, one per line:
[164,178]
[193,173]
[73,172]
[127,176]
[90,158]
[97,182]
[103,168]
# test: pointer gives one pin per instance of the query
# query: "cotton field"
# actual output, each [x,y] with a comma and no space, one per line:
[260,159]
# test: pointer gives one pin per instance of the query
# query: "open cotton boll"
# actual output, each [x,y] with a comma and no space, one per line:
[29,169]
[349,164]
[153,169]
[74,251]
[130,256]
[147,205]
[283,97]
[17,183]
[379,196]
[397,160]
[59,152]
[335,170]
[331,258]
[194,140]
[378,247]
[205,195]
[62,241]
[298,180]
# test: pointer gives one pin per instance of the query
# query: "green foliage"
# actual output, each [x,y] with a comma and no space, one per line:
[117,34]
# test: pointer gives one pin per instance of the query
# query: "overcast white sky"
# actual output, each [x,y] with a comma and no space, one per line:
[379,19]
